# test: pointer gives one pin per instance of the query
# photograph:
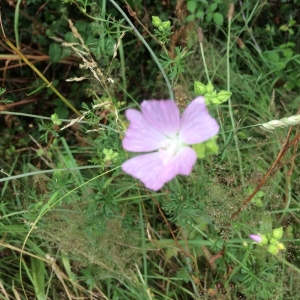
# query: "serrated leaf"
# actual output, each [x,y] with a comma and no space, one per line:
[218,18]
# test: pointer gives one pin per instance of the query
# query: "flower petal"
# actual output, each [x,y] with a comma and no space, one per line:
[196,124]
[149,168]
[163,115]
[255,237]
[140,135]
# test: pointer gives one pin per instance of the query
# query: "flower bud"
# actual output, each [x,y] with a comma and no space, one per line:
[273,249]
[256,237]
[273,241]
[259,238]
[166,24]
[199,88]
[223,96]
[161,28]
[209,88]
[55,119]
[156,21]
[277,233]
[280,246]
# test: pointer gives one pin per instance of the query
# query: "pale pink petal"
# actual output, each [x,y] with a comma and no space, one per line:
[140,135]
[196,124]
[163,115]
[256,237]
[149,168]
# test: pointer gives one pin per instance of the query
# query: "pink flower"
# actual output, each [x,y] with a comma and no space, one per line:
[158,129]
[256,237]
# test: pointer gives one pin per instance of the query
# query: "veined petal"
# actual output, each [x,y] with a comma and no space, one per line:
[163,115]
[196,124]
[140,135]
[150,169]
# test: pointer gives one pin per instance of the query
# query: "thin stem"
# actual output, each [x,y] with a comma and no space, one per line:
[147,46]
[200,37]
[230,107]
[44,172]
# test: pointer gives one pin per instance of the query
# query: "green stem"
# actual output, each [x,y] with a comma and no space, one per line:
[208,80]
[230,108]
[46,171]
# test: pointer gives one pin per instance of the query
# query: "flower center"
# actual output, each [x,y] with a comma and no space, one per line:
[169,149]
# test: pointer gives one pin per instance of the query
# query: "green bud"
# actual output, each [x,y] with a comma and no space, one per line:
[273,249]
[273,241]
[277,233]
[264,240]
[156,21]
[161,28]
[209,88]
[166,24]
[257,202]
[55,119]
[223,96]
[109,155]
[211,98]
[199,88]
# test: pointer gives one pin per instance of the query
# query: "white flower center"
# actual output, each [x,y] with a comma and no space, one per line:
[169,149]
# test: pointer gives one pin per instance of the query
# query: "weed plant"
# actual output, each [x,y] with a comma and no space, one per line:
[73,225]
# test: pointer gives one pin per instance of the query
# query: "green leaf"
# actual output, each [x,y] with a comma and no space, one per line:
[292,22]
[208,17]
[288,53]
[218,18]
[199,14]
[266,224]
[207,148]
[284,27]
[272,56]
[190,18]
[191,6]
[213,7]
[54,52]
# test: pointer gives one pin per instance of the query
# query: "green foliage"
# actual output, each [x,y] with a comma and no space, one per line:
[175,67]
[206,11]
[78,225]
[209,93]
[163,33]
